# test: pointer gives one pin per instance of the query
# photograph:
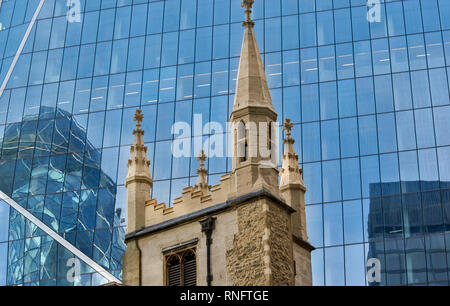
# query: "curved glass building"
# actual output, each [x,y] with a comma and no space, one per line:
[61,189]
[366,84]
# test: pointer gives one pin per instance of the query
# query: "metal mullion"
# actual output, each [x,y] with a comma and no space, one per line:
[21,46]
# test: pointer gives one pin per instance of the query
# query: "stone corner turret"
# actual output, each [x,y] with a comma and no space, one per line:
[138,181]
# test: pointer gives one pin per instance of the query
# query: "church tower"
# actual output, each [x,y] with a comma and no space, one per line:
[253,119]
[248,230]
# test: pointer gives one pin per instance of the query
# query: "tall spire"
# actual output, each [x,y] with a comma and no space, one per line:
[251,85]
[290,172]
[251,119]
[202,174]
[138,164]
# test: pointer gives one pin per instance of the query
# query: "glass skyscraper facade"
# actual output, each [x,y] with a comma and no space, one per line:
[368,96]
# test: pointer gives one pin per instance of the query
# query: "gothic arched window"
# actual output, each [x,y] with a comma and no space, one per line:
[273,145]
[189,268]
[173,267]
[181,268]
[242,145]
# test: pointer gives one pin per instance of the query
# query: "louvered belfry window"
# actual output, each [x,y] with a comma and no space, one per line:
[181,268]
[174,271]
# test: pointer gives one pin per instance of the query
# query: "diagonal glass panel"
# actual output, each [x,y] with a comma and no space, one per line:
[59,188]
[37,254]
[22,32]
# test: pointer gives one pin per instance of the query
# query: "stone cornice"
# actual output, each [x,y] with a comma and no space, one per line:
[138,179]
[302,243]
[293,186]
[253,110]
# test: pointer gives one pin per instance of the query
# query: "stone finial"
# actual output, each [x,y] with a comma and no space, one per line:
[138,117]
[248,4]
[138,164]
[202,158]
[287,126]
[290,172]
[202,174]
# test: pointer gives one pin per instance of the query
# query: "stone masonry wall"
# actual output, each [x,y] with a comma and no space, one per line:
[245,261]
[262,249]
[281,253]
[132,264]
[303,276]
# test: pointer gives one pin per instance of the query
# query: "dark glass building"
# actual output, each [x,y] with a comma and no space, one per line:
[406,233]
[367,88]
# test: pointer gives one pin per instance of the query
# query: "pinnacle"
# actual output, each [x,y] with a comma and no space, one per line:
[202,174]
[290,171]
[138,164]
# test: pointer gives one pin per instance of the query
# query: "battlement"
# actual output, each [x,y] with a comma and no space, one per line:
[192,199]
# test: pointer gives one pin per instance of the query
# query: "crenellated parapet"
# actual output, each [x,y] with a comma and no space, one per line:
[144,211]
[192,199]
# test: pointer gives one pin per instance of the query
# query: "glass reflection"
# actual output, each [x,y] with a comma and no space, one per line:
[73,204]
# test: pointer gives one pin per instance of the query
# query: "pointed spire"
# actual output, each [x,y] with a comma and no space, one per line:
[138,164]
[251,85]
[202,174]
[290,172]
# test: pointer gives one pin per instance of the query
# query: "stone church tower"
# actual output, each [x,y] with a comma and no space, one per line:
[247,230]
